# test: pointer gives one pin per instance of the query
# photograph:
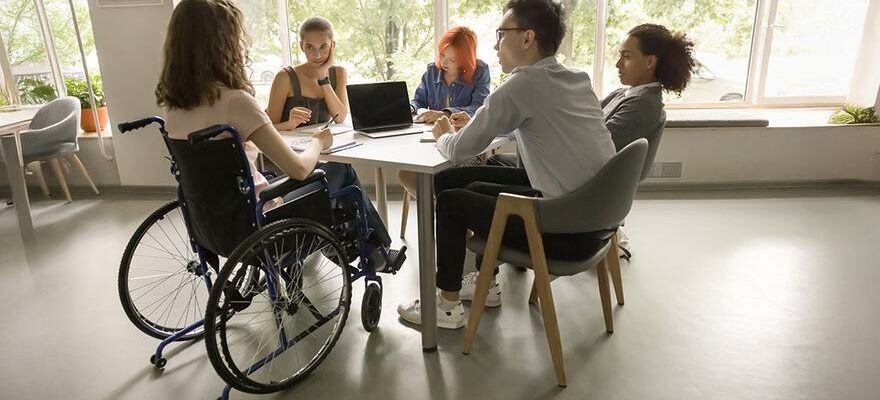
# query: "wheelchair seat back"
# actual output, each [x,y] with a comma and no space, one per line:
[216,186]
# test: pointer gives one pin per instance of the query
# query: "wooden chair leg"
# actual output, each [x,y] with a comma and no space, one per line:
[605,295]
[59,174]
[404,215]
[545,299]
[37,167]
[612,258]
[85,174]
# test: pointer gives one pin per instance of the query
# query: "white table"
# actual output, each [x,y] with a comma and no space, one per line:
[406,153]
[11,122]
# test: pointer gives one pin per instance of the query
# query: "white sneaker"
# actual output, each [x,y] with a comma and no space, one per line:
[469,285]
[446,319]
[623,239]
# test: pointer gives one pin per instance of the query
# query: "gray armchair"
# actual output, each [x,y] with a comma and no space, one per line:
[51,136]
[600,205]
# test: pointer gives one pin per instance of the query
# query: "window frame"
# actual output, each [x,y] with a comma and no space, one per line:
[756,74]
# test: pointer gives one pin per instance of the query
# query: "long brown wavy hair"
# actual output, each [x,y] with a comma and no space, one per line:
[206,46]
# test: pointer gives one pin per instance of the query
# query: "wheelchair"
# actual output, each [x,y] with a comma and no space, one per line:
[270,291]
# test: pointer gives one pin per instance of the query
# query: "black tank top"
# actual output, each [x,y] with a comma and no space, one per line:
[320,112]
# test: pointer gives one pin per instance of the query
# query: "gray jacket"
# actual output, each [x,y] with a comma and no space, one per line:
[640,115]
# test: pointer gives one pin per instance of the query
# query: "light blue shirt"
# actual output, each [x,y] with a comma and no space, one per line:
[555,117]
[433,93]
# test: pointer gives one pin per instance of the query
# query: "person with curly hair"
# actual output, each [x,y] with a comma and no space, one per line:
[651,59]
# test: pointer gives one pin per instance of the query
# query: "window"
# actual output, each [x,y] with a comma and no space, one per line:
[722,35]
[265,49]
[483,18]
[577,47]
[376,40]
[813,47]
[38,64]
[26,52]
[750,52]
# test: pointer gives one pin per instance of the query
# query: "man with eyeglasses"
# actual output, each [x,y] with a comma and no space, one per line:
[555,117]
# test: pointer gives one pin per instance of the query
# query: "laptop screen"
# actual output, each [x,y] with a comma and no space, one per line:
[379,104]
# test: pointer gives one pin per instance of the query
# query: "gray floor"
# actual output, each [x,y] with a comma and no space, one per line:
[727,298]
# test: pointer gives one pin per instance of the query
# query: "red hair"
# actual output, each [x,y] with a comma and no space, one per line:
[464,41]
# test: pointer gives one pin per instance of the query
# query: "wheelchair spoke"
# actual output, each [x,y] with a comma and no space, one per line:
[282,333]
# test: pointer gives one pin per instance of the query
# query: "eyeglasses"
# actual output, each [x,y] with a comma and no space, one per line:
[499,33]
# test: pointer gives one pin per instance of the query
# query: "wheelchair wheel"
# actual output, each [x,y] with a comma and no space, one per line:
[273,334]
[162,286]
[371,306]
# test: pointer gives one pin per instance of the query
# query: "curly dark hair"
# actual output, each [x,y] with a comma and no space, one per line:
[545,17]
[206,44]
[674,52]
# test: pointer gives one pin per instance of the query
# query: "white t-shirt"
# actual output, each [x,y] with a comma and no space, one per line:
[234,107]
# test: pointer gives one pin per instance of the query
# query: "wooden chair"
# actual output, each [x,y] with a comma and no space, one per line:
[600,205]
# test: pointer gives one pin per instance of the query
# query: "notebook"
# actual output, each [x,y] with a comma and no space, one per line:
[314,128]
[299,144]
[427,137]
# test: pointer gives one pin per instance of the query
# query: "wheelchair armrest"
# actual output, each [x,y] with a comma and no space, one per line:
[285,185]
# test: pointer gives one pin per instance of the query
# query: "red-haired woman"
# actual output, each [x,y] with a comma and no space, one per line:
[456,81]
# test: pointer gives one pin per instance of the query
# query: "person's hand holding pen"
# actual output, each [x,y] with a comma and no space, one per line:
[323,135]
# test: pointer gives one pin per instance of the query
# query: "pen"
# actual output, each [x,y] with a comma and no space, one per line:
[327,124]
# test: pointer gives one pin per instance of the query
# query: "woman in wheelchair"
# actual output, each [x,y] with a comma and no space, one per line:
[204,82]
[275,284]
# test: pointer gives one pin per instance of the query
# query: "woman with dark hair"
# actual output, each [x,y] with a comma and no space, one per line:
[651,59]
[204,83]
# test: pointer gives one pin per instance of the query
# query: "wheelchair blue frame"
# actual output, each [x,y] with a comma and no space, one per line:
[365,269]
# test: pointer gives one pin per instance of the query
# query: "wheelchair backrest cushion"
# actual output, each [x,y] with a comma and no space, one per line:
[219,203]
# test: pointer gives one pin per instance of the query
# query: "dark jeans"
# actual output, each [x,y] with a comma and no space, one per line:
[342,175]
[466,201]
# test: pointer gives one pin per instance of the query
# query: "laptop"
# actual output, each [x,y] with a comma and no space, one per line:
[381,110]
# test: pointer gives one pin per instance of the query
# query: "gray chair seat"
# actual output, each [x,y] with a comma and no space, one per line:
[60,149]
[555,267]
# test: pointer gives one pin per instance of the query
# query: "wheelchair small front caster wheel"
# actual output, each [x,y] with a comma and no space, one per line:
[371,308]
[160,363]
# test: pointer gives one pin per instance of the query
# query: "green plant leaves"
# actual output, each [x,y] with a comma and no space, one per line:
[853,114]
[78,88]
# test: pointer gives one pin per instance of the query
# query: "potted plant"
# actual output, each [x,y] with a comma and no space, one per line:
[78,88]
[35,91]
[853,114]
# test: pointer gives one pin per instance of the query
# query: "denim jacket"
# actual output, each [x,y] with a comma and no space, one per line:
[433,91]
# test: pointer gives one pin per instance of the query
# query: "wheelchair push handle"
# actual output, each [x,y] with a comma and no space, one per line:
[209,132]
[132,125]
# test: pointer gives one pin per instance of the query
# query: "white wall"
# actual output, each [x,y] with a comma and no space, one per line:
[736,155]
[129,45]
[864,89]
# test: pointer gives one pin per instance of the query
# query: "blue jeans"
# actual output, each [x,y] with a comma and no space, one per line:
[343,175]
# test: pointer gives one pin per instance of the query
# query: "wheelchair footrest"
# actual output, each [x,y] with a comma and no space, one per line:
[395,261]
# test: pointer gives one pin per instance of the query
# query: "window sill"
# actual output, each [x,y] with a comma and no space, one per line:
[751,118]
[94,135]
